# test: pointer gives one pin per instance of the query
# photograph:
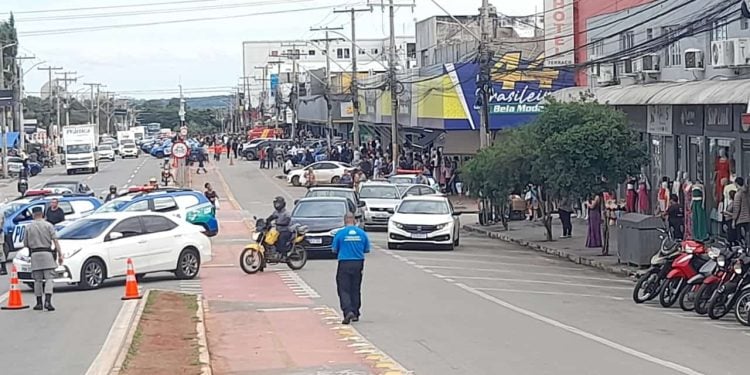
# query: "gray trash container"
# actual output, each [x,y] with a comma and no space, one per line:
[638,238]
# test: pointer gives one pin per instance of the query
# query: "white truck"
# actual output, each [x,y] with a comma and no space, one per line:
[79,145]
[139,132]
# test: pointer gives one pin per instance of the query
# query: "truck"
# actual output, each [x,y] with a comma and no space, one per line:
[139,132]
[125,136]
[79,146]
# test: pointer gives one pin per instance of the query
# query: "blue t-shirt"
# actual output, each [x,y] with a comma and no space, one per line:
[351,243]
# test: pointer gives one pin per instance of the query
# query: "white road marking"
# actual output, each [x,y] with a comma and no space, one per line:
[280,309]
[299,287]
[548,293]
[484,262]
[535,282]
[3,297]
[461,255]
[579,332]
[525,273]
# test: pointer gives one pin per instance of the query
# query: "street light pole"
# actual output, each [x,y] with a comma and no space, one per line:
[3,123]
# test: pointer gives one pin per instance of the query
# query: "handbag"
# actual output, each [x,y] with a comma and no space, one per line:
[217,204]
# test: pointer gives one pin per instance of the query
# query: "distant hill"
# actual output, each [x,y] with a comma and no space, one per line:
[206,102]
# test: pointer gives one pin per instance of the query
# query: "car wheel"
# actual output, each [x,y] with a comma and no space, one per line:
[188,264]
[93,274]
[335,180]
[457,241]
[295,181]
[392,246]
[159,155]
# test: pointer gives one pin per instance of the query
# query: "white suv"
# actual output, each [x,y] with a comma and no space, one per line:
[128,150]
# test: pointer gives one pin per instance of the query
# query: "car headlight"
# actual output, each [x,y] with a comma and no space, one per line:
[334,231]
[441,226]
[738,267]
[397,224]
[721,261]
[72,253]
[255,236]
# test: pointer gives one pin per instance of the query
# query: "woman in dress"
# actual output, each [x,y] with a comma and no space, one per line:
[631,196]
[594,237]
[698,209]
[643,202]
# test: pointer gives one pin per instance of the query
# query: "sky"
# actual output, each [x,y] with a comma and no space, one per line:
[96,39]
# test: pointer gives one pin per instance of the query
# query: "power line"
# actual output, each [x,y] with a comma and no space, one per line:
[110,7]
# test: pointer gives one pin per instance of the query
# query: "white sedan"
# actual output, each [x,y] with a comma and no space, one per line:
[106,152]
[424,220]
[326,172]
[97,248]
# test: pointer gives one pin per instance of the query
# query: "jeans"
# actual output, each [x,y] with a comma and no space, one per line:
[567,226]
[282,245]
[349,285]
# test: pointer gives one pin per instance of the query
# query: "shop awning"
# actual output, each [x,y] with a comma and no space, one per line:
[11,138]
[690,92]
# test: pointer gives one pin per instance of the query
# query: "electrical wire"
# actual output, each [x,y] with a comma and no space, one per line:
[58,10]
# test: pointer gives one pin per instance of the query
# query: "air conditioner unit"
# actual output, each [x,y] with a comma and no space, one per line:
[741,52]
[693,59]
[718,53]
[606,73]
[650,63]
[625,67]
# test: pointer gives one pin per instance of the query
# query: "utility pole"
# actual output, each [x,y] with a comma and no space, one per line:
[485,79]
[92,86]
[393,85]
[66,103]
[263,93]
[181,111]
[276,101]
[21,130]
[294,95]
[50,85]
[354,89]
[327,96]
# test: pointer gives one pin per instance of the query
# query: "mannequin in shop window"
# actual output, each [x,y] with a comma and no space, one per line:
[643,189]
[631,195]
[687,189]
[698,211]
[677,187]
[722,172]
[663,195]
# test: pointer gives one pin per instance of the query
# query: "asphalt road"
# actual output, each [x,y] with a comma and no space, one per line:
[494,308]
[67,341]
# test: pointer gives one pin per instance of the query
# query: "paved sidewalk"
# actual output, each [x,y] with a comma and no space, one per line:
[269,323]
[533,235]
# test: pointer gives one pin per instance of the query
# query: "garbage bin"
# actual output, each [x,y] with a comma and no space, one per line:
[638,238]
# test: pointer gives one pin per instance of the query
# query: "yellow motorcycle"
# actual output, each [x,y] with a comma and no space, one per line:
[262,252]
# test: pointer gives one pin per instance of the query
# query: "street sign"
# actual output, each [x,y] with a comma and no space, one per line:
[179,150]
[183,131]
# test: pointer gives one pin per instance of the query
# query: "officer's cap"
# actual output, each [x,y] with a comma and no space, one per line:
[37,210]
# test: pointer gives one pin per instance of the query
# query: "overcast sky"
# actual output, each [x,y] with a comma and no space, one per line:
[139,61]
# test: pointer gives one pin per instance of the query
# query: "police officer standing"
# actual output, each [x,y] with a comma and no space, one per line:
[350,244]
[40,236]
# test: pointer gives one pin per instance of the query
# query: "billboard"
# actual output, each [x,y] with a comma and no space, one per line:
[558,33]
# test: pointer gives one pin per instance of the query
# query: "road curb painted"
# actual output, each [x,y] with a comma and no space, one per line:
[578,259]
[203,354]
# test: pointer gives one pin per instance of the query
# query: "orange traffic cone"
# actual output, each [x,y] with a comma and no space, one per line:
[131,284]
[15,302]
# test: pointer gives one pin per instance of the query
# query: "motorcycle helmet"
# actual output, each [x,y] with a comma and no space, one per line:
[112,189]
[279,203]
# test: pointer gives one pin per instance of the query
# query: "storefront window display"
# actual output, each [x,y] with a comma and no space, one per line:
[722,164]
[695,159]
[657,156]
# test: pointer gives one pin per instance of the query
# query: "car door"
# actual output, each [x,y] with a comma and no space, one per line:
[324,172]
[164,242]
[132,245]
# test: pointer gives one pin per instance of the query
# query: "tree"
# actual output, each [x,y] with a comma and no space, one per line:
[8,36]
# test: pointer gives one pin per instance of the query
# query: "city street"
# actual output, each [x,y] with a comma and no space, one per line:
[491,307]
[70,338]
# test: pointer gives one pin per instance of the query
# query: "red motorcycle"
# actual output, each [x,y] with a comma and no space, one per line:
[721,275]
[684,267]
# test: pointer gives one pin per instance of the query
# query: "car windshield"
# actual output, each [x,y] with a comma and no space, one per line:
[402,180]
[319,209]
[112,206]
[78,149]
[128,145]
[105,148]
[12,207]
[331,193]
[403,188]
[423,207]
[71,187]
[84,229]
[379,192]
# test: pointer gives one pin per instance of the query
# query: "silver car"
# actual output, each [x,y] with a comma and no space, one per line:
[381,198]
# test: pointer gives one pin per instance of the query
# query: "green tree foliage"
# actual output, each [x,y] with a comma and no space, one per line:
[8,36]
[166,112]
[571,150]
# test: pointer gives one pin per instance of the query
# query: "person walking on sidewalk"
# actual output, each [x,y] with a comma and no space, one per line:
[565,211]
[201,163]
[40,236]
[350,245]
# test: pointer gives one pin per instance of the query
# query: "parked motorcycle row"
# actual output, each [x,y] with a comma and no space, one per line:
[710,279]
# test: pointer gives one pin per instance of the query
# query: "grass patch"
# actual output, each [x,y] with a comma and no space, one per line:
[138,335]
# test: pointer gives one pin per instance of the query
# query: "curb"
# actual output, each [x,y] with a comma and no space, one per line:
[578,259]
[203,354]
[127,340]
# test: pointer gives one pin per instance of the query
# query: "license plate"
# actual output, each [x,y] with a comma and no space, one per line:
[419,236]
[24,269]
[315,241]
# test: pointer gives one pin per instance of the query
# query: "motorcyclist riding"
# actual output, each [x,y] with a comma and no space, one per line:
[283,221]
[112,193]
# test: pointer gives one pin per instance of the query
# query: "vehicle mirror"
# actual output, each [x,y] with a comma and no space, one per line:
[361,204]
[296,201]
[115,235]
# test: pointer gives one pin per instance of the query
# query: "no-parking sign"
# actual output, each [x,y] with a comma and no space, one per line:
[179,150]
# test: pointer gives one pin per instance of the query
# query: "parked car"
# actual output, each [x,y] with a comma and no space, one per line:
[326,172]
[340,192]
[15,164]
[323,216]
[97,248]
[380,199]
[74,187]
[106,151]
[424,220]
[252,152]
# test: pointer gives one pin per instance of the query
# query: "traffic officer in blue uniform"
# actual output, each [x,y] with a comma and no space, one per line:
[350,245]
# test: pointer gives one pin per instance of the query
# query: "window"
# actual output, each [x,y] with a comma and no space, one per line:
[164,204]
[627,40]
[83,188]
[82,206]
[673,52]
[138,206]
[65,206]
[318,209]
[424,208]
[324,166]
[362,52]
[156,224]
[719,30]
[311,52]
[649,33]
[375,51]
[347,53]
[340,53]
[187,201]
[274,53]
[84,229]
[129,227]
[379,192]
[744,23]
[596,49]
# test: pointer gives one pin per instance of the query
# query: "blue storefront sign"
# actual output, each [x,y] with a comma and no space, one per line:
[274,83]
[517,91]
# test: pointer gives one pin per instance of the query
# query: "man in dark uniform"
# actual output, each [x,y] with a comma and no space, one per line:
[55,214]
[350,245]
[283,220]
[40,236]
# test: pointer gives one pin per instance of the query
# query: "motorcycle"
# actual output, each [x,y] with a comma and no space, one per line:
[726,295]
[256,256]
[721,273]
[684,267]
[166,175]
[687,297]
[650,282]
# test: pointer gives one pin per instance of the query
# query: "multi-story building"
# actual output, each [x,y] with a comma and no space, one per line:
[678,70]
